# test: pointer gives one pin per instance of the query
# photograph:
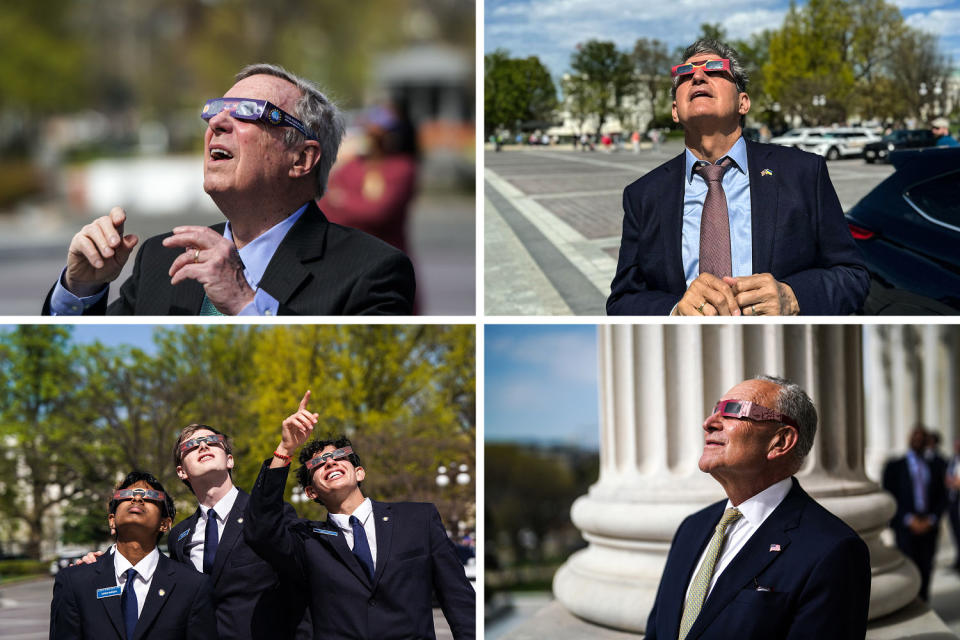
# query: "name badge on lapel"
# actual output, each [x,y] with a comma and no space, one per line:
[183,535]
[326,532]
[108,592]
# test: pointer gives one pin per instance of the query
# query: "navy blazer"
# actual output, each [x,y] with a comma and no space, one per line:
[803,574]
[319,269]
[799,233]
[248,597]
[415,559]
[897,480]
[177,607]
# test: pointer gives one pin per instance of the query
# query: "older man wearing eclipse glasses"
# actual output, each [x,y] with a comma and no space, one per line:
[268,149]
[768,562]
[732,227]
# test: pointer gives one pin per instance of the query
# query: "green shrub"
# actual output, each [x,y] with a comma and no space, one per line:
[22,567]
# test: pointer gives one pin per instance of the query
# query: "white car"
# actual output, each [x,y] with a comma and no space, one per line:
[800,137]
[842,142]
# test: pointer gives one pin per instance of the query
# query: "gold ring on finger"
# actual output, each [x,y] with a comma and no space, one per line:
[753,309]
[700,308]
[196,256]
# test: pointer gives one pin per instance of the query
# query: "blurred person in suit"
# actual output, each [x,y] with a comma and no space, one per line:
[133,592]
[372,568]
[268,149]
[768,562]
[729,226]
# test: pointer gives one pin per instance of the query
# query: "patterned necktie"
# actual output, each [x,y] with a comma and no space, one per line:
[714,221]
[207,308]
[701,584]
[210,541]
[128,604]
[361,548]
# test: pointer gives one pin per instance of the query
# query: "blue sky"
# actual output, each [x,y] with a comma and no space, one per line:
[540,384]
[551,29]
[139,335]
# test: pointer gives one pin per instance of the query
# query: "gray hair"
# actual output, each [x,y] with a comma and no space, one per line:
[317,113]
[794,402]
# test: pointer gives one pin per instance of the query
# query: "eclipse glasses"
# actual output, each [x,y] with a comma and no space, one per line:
[252,110]
[687,68]
[143,494]
[744,409]
[193,443]
[317,461]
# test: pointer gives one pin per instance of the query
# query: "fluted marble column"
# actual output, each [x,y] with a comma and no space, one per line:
[657,383]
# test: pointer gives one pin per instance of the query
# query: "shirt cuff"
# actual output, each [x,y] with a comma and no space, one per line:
[263,305]
[64,303]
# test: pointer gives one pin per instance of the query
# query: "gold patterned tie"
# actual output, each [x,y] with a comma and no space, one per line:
[701,584]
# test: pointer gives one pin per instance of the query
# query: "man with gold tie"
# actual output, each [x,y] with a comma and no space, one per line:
[768,562]
[732,227]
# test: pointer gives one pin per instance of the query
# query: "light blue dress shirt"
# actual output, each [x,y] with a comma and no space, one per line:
[255,256]
[736,186]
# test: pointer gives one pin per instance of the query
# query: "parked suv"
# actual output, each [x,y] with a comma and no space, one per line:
[843,142]
[899,139]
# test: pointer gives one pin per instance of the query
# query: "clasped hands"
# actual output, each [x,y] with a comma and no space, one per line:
[99,251]
[756,295]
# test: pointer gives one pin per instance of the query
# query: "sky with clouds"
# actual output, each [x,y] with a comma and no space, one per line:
[540,384]
[551,29]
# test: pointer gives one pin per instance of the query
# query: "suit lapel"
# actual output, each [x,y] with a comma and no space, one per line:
[231,533]
[339,545]
[693,546]
[384,524]
[180,543]
[764,195]
[753,558]
[673,224]
[304,242]
[105,579]
[161,587]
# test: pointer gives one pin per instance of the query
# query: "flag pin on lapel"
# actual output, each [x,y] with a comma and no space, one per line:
[766,172]
[774,547]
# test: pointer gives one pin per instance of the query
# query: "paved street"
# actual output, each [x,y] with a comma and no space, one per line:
[25,612]
[552,222]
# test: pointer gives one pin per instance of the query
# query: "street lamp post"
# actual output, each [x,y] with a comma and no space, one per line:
[819,101]
[451,476]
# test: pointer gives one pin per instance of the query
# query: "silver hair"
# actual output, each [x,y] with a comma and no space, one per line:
[794,402]
[317,112]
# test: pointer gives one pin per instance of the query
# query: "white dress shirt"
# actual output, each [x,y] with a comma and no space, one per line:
[755,510]
[364,514]
[145,569]
[194,548]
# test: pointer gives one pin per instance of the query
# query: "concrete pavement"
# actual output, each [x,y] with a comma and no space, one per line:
[553,220]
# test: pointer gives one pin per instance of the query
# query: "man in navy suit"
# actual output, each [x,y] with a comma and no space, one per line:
[784,245]
[133,592]
[248,597]
[918,486]
[769,562]
[372,568]
[277,254]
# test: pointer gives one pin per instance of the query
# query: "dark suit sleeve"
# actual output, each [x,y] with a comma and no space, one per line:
[387,288]
[202,623]
[457,598]
[838,282]
[630,294]
[836,598]
[64,612]
[268,528]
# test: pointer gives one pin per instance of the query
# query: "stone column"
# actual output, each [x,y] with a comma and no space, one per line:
[657,383]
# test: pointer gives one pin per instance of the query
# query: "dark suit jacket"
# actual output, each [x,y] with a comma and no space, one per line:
[799,236]
[184,611]
[415,558]
[819,580]
[896,480]
[319,268]
[249,600]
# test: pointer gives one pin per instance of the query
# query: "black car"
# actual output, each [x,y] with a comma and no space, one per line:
[908,229]
[899,139]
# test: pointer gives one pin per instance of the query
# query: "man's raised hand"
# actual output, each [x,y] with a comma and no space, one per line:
[296,429]
[97,254]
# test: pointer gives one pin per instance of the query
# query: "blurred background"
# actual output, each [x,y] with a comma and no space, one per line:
[100,107]
[80,406]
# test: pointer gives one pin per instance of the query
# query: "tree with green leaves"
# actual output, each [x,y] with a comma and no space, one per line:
[606,76]
[652,63]
[516,90]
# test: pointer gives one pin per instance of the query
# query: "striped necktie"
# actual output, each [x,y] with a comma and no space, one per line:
[701,584]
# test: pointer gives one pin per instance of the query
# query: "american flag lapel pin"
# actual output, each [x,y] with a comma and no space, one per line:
[766,172]
[774,547]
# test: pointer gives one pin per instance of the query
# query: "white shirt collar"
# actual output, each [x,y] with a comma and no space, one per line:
[223,507]
[364,511]
[256,255]
[757,508]
[145,567]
